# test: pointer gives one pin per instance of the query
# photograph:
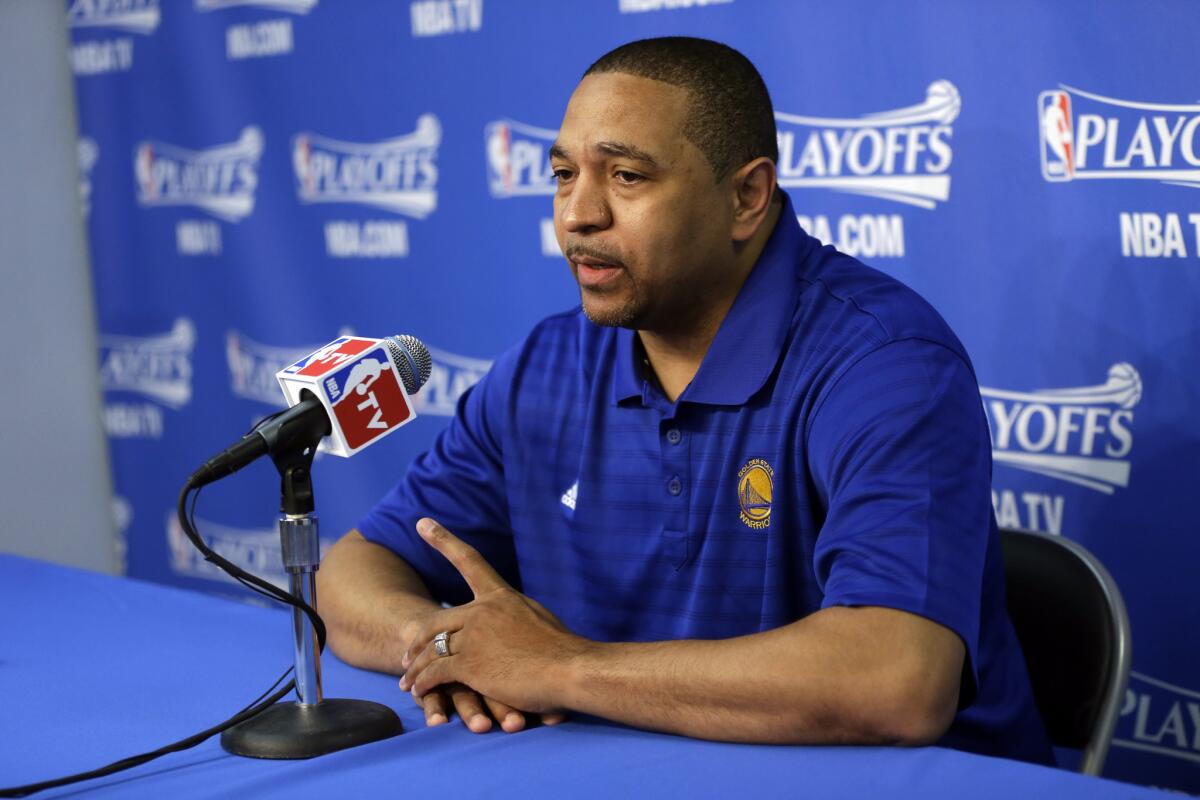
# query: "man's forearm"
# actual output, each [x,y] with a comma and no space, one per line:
[366,595]
[803,683]
[863,675]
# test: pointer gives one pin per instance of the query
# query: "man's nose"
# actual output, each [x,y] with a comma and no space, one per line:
[585,208]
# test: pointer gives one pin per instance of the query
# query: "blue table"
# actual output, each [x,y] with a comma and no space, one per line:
[95,668]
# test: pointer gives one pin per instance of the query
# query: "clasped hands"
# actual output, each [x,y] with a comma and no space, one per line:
[507,653]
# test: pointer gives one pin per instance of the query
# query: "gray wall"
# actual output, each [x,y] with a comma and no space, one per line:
[54,472]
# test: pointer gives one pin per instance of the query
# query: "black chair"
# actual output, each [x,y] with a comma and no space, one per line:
[1071,621]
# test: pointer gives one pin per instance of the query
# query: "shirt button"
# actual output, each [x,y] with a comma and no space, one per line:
[673,436]
[674,486]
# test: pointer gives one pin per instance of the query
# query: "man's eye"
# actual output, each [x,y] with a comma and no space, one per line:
[625,176]
[562,174]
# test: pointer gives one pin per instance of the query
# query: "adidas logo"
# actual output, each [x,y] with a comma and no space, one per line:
[569,497]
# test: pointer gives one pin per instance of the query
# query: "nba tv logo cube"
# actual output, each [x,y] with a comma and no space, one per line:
[359,386]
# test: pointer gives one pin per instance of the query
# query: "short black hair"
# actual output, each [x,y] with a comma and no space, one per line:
[730,118]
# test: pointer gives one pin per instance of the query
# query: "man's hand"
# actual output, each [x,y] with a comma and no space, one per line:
[475,710]
[502,644]
[365,589]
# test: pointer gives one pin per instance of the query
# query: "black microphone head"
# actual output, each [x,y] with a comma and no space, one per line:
[412,360]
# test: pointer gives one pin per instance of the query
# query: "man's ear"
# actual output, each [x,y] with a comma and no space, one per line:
[753,187]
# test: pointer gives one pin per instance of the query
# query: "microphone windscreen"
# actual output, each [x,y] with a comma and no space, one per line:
[412,360]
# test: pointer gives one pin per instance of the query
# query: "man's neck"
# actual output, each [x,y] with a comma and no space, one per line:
[675,356]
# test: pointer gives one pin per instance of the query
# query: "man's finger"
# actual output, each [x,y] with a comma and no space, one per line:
[437,711]
[474,568]
[509,718]
[470,708]
[439,672]
[553,719]
[416,664]
[449,620]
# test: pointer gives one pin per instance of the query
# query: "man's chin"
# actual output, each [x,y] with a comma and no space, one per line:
[620,315]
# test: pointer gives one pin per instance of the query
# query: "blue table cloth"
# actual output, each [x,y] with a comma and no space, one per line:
[95,668]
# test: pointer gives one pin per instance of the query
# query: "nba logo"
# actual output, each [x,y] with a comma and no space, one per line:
[144,167]
[302,164]
[1057,135]
[498,137]
[329,357]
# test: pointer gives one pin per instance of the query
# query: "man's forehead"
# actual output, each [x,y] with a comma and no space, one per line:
[615,114]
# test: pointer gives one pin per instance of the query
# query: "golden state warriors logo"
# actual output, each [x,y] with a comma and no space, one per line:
[754,493]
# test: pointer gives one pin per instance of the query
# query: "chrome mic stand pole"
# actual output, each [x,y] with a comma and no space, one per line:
[301,547]
[313,726]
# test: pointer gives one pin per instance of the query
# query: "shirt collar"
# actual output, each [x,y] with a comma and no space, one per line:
[750,340]
[627,381]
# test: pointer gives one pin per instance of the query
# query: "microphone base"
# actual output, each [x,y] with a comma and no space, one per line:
[293,730]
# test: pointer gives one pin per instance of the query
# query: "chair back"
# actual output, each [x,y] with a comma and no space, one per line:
[1074,631]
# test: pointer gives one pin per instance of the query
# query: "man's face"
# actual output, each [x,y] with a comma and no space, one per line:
[638,213]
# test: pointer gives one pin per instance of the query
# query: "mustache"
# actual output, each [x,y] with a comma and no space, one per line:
[573,251]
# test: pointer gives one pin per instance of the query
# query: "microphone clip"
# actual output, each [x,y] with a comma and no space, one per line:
[292,444]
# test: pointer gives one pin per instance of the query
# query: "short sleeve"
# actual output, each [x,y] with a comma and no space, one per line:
[459,482]
[900,453]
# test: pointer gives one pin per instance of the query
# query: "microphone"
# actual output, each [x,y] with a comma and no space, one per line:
[349,394]
[344,397]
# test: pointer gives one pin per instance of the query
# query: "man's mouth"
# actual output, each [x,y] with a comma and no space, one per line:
[593,263]
[592,269]
[594,273]
[591,257]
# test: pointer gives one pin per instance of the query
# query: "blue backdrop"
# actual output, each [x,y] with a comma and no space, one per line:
[260,176]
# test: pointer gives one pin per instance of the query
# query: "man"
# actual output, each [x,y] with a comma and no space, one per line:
[742,495]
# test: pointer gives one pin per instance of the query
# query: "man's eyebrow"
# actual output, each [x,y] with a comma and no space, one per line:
[611,149]
[626,150]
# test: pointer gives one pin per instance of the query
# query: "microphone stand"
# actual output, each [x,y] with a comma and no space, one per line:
[314,725]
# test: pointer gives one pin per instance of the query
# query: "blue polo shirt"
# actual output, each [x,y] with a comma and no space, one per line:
[831,450]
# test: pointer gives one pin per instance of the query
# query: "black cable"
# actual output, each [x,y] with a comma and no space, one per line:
[256,706]
[237,572]
[183,744]
[192,521]
[270,689]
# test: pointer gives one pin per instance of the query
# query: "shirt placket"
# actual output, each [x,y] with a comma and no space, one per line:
[675,447]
